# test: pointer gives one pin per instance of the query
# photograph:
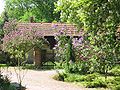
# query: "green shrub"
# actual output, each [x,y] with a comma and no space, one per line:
[74,78]
[74,68]
[60,76]
[96,83]
[94,80]
[10,87]
[91,77]
[81,67]
[117,87]
[113,83]
[5,83]
[110,81]
[117,80]
[58,65]
[115,71]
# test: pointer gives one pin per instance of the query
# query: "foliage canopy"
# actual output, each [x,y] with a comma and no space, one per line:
[42,10]
[99,19]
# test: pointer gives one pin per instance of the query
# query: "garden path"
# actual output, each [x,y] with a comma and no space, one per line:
[42,80]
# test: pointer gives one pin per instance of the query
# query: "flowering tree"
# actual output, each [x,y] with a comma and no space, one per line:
[19,42]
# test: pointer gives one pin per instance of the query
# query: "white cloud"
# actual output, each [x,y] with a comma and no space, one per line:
[2,5]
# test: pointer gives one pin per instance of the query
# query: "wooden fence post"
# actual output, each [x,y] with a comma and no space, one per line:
[37,57]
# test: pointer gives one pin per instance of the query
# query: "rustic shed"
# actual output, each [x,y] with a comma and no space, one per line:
[49,30]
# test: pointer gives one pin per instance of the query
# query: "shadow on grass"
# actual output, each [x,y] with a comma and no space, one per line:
[39,68]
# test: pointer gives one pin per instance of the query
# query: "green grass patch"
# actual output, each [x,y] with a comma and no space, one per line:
[33,67]
[29,66]
[3,65]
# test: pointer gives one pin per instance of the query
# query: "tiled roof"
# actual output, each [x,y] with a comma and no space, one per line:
[51,29]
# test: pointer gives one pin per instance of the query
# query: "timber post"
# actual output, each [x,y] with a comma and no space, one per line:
[37,57]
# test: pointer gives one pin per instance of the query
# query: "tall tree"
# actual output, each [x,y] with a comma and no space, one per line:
[99,19]
[42,10]
[3,19]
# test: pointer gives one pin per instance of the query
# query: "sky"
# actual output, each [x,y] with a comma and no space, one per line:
[2,4]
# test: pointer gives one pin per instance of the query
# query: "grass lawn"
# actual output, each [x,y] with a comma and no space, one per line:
[3,65]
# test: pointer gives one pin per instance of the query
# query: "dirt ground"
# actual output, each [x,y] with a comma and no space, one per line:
[42,80]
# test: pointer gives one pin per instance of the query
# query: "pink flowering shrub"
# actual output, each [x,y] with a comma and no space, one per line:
[79,46]
[19,42]
[73,53]
[82,49]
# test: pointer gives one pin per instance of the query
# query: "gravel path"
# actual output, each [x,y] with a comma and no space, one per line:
[42,80]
